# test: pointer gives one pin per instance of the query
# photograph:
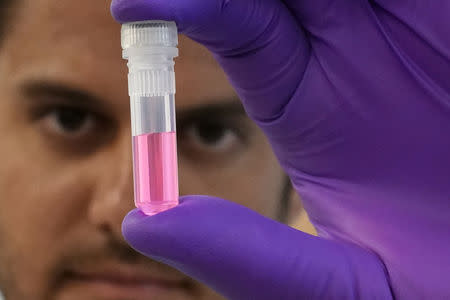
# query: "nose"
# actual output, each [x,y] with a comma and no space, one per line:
[113,195]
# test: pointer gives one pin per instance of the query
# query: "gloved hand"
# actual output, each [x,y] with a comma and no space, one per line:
[354,97]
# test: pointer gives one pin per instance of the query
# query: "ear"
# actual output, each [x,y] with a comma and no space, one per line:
[297,216]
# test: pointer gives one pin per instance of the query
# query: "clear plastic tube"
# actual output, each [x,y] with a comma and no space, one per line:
[150,48]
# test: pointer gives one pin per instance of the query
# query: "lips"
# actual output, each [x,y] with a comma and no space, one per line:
[119,281]
[126,274]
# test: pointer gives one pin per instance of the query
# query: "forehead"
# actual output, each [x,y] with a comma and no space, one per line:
[52,23]
[78,42]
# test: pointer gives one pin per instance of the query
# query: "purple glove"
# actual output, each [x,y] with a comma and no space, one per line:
[354,97]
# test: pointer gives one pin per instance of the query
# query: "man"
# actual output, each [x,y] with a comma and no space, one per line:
[65,156]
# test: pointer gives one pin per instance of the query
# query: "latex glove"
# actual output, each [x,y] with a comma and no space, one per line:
[354,98]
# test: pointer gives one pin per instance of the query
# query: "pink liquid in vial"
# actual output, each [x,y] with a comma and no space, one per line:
[155,171]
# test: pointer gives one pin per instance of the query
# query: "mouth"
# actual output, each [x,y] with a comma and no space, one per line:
[124,282]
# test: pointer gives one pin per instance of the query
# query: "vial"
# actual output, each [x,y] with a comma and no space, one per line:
[150,47]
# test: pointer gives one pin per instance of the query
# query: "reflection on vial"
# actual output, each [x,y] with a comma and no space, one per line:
[155,171]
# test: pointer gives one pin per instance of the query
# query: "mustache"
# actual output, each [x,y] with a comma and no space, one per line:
[80,256]
[112,250]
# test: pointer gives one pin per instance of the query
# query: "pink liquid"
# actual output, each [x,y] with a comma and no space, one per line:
[155,172]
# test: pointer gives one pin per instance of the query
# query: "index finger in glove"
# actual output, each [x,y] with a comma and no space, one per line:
[257,42]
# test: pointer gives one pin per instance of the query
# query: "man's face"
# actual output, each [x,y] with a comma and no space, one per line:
[65,157]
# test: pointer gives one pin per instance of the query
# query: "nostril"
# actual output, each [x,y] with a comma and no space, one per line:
[105,228]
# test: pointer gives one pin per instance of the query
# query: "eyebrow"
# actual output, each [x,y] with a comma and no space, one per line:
[53,90]
[228,106]
[224,108]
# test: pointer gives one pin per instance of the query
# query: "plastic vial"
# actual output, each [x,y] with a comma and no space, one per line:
[150,48]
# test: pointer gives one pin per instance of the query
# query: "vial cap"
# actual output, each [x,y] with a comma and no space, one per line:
[149,33]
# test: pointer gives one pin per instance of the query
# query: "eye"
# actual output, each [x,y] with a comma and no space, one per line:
[68,122]
[210,137]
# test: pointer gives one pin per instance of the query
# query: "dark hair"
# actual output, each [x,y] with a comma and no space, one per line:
[6,10]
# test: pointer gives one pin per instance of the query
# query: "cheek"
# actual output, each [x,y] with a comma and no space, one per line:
[253,179]
[38,190]
[37,210]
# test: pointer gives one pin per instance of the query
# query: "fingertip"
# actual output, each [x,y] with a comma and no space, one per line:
[131,222]
[124,11]
[119,10]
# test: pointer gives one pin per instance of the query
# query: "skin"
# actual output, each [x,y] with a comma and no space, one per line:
[65,161]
